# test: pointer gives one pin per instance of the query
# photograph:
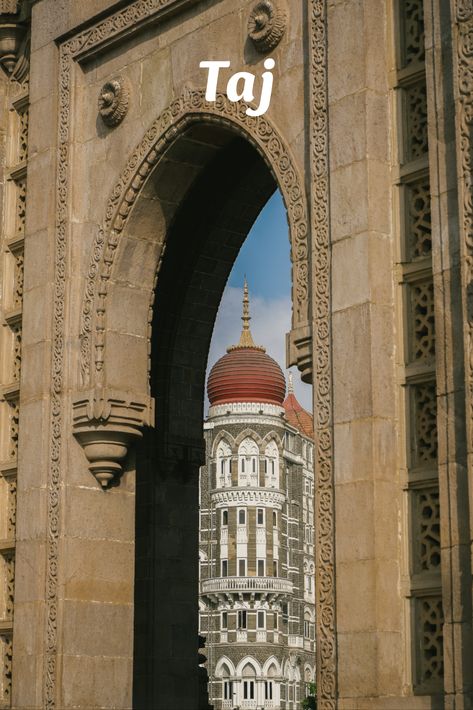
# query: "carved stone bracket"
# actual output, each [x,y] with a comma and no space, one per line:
[13,28]
[105,425]
[299,351]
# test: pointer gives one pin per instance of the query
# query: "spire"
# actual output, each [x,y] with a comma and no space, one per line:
[290,387]
[246,339]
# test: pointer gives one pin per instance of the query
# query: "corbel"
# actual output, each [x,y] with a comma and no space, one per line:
[106,424]
[299,351]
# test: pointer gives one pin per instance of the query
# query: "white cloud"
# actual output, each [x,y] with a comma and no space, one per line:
[270,321]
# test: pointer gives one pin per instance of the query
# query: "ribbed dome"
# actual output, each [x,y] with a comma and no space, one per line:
[246,375]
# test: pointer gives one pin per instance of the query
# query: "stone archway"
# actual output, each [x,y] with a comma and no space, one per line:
[147,318]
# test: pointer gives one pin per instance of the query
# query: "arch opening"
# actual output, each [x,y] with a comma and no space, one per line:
[204,233]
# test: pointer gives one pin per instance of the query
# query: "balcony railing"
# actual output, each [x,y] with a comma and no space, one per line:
[295,641]
[247,584]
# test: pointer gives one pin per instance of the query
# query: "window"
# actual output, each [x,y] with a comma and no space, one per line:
[260,568]
[261,620]
[224,568]
[242,516]
[242,619]
[275,568]
[275,620]
[224,457]
[228,690]
[224,620]
[248,454]
[275,519]
[248,689]
[242,568]
[260,516]
[224,518]
[268,690]
[272,465]
[306,628]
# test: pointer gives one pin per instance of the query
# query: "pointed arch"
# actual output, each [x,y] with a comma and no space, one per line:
[223,461]
[249,434]
[225,668]
[223,435]
[248,462]
[248,661]
[272,459]
[271,662]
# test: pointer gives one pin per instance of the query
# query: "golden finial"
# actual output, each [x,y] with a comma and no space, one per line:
[246,339]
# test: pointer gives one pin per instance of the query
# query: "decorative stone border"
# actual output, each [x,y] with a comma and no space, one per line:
[322,362]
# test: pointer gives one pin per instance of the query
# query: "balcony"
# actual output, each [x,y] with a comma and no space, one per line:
[295,641]
[231,588]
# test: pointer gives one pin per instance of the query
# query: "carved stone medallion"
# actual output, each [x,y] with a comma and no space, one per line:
[266,25]
[113,101]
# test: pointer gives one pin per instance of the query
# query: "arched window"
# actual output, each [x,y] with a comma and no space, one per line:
[272,465]
[248,463]
[224,460]
[248,676]
[227,683]
[309,624]
[269,684]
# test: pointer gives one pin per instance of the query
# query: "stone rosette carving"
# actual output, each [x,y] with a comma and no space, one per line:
[106,426]
[113,101]
[266,25]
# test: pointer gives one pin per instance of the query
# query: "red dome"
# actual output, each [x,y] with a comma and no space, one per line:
[246,374]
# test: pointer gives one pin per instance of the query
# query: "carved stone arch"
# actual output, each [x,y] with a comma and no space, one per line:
[222,436]
[274,436]
[224,661]
[248,661]
[113,349]
[271,661]
[248,434]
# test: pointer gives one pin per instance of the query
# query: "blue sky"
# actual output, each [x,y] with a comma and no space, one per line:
[264,259]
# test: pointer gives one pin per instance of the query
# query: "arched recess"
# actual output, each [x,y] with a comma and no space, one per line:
[173,228]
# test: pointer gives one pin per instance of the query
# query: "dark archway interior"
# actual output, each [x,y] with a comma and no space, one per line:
[202,243]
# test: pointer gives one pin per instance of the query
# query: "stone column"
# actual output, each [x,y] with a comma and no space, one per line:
[367,491]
